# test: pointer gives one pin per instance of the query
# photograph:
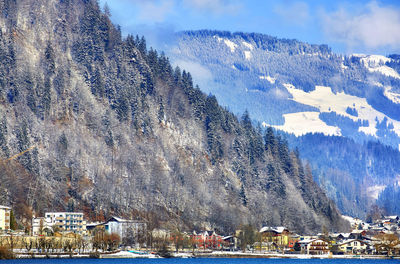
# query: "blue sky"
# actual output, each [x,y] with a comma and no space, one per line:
[347,26]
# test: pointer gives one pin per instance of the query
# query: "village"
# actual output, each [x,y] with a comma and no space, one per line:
[68,234]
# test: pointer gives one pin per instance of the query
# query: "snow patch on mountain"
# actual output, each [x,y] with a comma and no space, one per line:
[247,54]
[374,191]
[326,101]
[376,63]
[302,123]
[248,45]
[394,97]
[231,45]
[385,70]
[268,78]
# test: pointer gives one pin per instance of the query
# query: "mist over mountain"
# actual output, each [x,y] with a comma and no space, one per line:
[342,112]
[116,130]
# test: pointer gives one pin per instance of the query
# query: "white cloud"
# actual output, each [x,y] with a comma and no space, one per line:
[293,13]
[201,75]
[215,6]
[375,26]
[155,11]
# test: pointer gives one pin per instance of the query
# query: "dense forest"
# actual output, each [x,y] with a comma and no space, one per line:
[111,128]
[352,170]
[250,71]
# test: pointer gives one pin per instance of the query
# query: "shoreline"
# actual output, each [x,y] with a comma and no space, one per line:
[216,254]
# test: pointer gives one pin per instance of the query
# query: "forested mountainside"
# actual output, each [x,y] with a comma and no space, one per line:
[118,131]
[350,175]
[329,102]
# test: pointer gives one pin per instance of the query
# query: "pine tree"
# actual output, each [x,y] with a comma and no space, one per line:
[13,222]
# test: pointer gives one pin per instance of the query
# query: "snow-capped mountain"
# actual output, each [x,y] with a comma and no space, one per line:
[303,89]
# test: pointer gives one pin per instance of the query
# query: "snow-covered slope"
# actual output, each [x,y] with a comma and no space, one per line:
[325,100]
[376,63]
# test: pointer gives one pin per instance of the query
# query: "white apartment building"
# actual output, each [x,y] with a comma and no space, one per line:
[67,222]
[5,212]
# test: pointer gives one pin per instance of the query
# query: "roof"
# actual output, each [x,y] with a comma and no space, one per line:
[94,224]
[278,229]
[352,240]
[63,213]
[5,207]
[306,241]
[392,217]
[120,220]
[357,231]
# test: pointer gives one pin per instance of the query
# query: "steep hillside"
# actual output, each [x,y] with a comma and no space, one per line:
[305,89]
[117,130]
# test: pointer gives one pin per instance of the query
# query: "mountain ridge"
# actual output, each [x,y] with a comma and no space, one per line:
[301,88]
[119,131]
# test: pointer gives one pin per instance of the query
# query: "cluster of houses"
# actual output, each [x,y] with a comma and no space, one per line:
[380,237]
[365,238]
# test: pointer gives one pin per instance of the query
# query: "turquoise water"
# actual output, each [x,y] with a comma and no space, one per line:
[201,261]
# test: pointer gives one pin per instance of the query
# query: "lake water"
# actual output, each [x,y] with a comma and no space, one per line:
[200,261]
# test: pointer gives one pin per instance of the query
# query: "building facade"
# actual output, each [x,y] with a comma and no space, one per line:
[353,246]
[5,213]
[207,240]
[69,222]
[279,236]
[130,231]
[314,247]
[41,226]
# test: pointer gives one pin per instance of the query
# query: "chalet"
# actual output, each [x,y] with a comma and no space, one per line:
[279,235]
[357,234]
[230,243]
[266,246]
[354,246]
[392,218]
[314,246]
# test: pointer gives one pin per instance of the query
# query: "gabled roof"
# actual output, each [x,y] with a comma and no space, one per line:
[352,240]
[392,217]
[120,220]
[278,229]
[357,231]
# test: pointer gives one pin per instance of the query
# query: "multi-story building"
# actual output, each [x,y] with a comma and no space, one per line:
[207,239]
[354,246]
[67,222]
[41,226]
[314,246]
[130,231]
[280,236]
[5,212]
